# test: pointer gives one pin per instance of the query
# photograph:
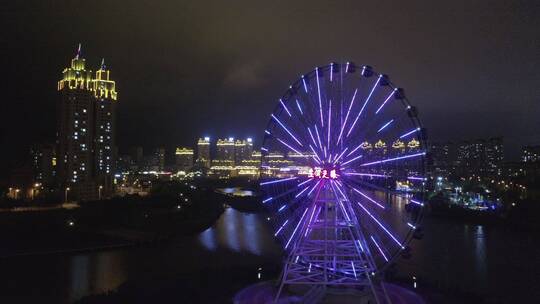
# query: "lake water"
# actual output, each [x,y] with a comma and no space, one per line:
[490,261]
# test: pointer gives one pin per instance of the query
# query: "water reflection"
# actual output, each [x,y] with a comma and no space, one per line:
[480,252]
[236,231]
[95,273]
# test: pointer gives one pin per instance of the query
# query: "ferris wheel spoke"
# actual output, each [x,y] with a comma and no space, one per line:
[368,198]
[280,195]
[277,181]
[381,225]
[364,106]
[367,174]
[286,129]
[379,248]
[289,146]
[329,122]
[409,133]
[385,125]
[393,159]
[319,94]
[386,100]
[347,115]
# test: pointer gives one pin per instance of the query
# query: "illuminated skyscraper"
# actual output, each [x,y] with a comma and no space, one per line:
[105,122]
[85,132]
[243,150]
[225,151]
[184,159]
[203,152]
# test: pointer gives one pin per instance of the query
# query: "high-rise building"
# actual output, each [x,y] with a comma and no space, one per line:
[530,154]
[137,157]
[105,122]
[159,159]
[43,164]
[243,150]
[442,157]
[480,157]
[184,159]
[85,132]
[203,152]
[225,152]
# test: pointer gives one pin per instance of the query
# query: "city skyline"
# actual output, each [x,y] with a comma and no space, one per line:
[235,80]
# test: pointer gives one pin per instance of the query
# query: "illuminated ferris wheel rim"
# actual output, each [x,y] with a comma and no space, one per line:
[337,168]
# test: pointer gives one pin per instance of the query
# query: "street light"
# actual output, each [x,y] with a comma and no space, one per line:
[66,195]
[99,192]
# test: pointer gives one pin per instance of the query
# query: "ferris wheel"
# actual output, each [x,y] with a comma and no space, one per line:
[343,170]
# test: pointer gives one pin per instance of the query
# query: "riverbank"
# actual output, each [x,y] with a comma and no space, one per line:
[115,223]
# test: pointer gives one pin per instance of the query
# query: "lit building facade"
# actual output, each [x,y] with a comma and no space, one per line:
[243,150]
[85,130]
[225,152]
[184,159]
[43,164]
[530,154]
[203,152]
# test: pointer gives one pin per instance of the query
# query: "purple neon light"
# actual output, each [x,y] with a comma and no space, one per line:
[409,133]
[305,85]
[416,178]
[354,150]
[340,155]
[285,128]
[385,125]
[331,71]
[367,174]
[300,193]
[267,132]
[318,137]
[365,103]
[310,191]
[329,121]
[347,115]
[281,228]
[304,182]
[379,247]
[285,107]
[310,219]
[287,145]
[339,189]
[339,201]
[267,200]
[282,208]
[360,245]
[347,67]
[316,156]
[264,149]
[353,269]
[351,160]
[386,100]
[277,181]
[368,198]
[312,138]
[417,202]
[393,159]
[299,107]
[381,225]
[299,222]
[411,225]
[319,92]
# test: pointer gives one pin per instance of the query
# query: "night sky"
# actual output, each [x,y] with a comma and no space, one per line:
[186,69]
